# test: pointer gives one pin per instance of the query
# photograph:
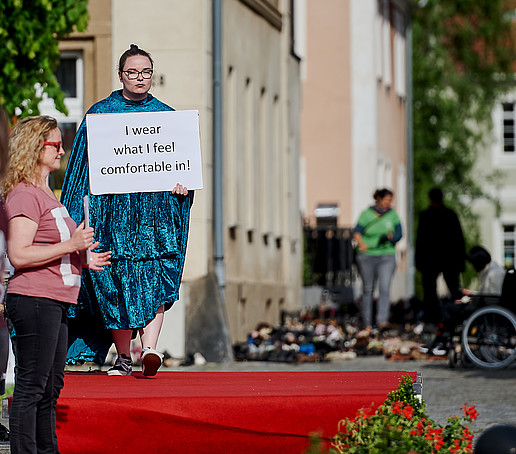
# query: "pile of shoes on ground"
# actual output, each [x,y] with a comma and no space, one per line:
[309,336]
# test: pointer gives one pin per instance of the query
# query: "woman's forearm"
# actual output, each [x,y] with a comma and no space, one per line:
[32,256]
[24,254]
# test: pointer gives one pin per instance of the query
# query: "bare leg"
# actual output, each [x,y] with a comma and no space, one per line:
[122,340]
[149,335]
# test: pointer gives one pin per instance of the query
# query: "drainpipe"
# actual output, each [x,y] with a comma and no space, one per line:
[218,226]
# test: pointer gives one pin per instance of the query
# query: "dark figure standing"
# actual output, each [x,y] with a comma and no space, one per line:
[440,248]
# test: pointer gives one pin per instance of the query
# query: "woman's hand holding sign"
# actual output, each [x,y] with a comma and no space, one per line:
[82,238]
[180,190]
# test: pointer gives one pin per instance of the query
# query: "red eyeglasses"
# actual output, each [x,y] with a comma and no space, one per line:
[58,145]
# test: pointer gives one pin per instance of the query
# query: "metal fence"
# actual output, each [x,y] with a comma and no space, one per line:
[329,260]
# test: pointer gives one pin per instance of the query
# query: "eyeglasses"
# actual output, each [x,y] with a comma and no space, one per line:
[58,145]
[133,74]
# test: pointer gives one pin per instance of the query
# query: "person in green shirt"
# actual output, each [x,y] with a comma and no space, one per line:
[377,231]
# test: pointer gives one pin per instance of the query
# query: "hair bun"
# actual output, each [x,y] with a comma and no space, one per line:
[133,47]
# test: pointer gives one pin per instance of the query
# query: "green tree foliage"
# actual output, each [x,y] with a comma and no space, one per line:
[29,55]
[463,56]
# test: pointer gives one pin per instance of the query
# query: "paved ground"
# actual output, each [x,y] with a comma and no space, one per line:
[445,390]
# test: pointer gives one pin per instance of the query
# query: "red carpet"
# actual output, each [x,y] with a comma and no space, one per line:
[211,412]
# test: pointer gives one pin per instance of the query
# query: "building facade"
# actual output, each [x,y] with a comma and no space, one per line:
[261,223]
[496,170]
[354,114]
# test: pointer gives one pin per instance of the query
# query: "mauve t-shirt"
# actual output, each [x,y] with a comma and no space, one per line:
[60,279]
[3,248]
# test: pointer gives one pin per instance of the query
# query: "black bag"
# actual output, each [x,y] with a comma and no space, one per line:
[508,297]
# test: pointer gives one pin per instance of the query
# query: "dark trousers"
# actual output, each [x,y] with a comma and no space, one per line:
[432,306]
[41,329]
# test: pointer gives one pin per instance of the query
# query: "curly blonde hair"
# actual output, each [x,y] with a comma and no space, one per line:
[25,146]
[4,134]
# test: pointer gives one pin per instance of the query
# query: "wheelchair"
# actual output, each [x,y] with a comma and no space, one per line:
[486,336]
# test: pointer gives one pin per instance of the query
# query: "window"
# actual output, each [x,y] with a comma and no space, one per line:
[231,155]
[250,156]
[509,242]
[508,127]
[268,9]
[399,53]
[298,32]
[67,76]
[378,22]
[266,161]
[386,43]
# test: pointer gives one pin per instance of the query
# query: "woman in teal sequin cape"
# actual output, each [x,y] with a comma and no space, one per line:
[147,233]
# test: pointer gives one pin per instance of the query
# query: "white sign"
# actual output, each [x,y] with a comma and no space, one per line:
[143,151]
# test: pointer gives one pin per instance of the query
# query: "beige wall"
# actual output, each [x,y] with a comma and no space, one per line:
[325,115]
[262,223]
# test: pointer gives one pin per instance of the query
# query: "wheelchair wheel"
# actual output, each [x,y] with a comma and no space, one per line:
[489,337]
[453,360]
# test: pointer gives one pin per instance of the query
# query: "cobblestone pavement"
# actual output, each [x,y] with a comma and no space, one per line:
[445,390]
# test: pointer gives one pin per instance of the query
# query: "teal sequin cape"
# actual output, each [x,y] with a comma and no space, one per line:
[147,233]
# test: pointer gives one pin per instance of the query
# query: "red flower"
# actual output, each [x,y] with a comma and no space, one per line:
[455,448]
[408,411]
[396,409]
[470,412]
[367,412]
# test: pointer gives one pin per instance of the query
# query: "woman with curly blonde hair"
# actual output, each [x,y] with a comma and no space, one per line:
[47,250]
[23,161]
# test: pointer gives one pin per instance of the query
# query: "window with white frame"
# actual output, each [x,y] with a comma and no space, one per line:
[70,75]
[231,156]
[250,154]
[386,43]
[509,245]
[508,127]
[378,21]
[399,54]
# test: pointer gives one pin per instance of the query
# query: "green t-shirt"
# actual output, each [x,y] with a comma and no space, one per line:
[372,227]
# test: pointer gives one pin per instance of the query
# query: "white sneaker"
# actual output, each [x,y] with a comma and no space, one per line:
[419,328]
[123,366]
[151,361]
[199,360]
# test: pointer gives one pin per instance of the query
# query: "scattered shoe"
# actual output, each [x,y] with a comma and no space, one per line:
[151,361]
[439,351]
[418,330]
[199,360]
[435,351]
[123,366]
